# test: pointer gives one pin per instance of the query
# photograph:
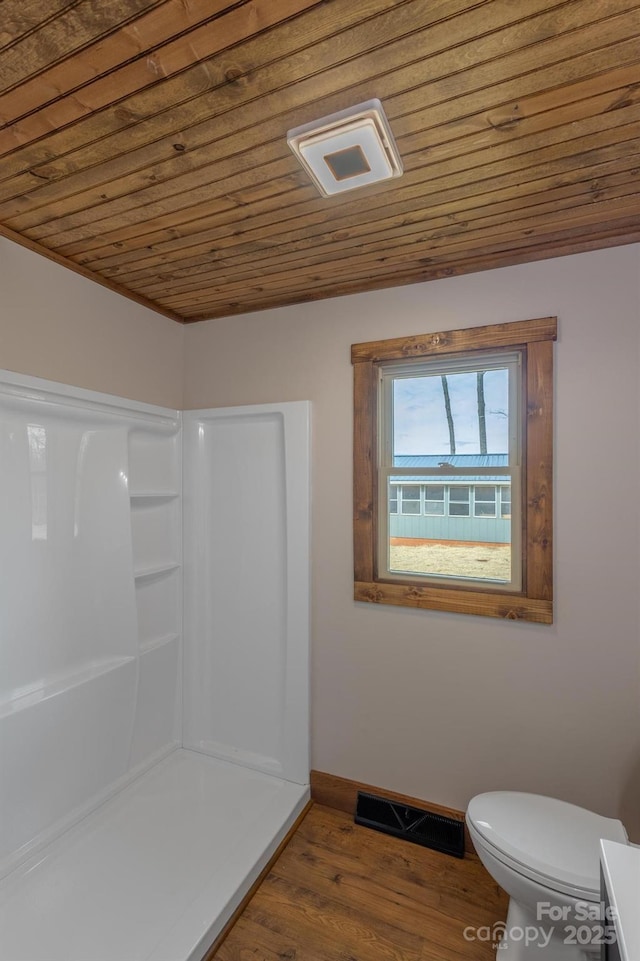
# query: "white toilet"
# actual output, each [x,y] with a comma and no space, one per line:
[546,855]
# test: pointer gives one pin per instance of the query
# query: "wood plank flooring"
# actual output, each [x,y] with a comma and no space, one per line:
[341,892]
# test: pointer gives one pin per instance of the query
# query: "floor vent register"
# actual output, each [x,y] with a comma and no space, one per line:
[411,823]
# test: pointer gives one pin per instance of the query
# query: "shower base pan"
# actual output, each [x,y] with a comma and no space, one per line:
[155,872]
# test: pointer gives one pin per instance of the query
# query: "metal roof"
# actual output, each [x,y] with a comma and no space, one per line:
[454,460]
[464,461]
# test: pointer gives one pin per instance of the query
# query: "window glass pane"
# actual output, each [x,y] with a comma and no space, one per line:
[447,426]
[454,413]
[410,499]
[505,502]
[449,539]
[485,502]
[459,501]
[434,499]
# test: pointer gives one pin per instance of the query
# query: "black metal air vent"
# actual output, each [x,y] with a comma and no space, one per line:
[422,827]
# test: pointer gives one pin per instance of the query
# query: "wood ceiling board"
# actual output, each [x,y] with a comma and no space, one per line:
[309,231]
[231,115]
[480,124]
[144,143]
[626,52]
[501,160]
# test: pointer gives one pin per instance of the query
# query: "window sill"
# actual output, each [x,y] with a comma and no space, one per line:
[511,607]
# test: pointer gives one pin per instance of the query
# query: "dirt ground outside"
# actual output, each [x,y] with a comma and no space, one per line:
[454,558]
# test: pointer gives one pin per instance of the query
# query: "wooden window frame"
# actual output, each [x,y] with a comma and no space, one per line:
[534,602]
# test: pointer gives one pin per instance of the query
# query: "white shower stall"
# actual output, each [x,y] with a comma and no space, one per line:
[154,645]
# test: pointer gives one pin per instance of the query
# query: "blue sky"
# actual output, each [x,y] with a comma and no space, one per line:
[420,423]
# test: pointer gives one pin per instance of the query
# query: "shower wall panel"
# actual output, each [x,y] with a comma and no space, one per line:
[85,700]
[246,549]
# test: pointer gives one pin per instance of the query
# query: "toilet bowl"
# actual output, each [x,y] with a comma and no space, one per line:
[545,854]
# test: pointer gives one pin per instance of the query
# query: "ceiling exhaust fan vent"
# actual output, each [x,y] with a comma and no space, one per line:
[349,149]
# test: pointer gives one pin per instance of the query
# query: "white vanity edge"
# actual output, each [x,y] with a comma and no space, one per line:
[621,870]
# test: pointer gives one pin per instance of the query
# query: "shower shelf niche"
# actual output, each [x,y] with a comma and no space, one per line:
[59,683]
[155,473]
[152,643]
[157,570]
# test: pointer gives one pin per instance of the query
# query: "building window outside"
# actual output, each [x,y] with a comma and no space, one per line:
[434,500]
[410,499]
[459,501]
[484,502]
[418,402]
[439,500]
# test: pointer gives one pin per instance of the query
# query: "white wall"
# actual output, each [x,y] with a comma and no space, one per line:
[439,705]
[58,325]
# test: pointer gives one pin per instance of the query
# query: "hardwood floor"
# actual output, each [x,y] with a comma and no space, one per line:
[341,892]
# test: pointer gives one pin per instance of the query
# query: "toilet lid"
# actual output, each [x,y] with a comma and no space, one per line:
[546,839]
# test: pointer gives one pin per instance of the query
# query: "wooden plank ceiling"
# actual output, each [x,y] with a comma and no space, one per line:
[143,142]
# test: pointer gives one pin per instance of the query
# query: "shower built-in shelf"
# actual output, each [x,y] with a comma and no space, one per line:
[151,643]
[156,570]
[153,495]
[58,683]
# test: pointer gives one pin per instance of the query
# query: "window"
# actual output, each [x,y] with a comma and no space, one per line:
[410,499]
[434,499]
[465,418]
[459,501]
[484,502]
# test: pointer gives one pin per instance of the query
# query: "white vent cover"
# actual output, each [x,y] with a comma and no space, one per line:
[348,149]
